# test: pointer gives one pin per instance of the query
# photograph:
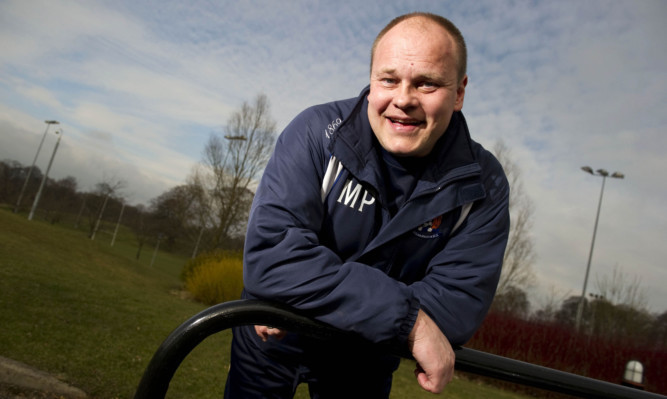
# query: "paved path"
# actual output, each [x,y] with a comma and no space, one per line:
[18,380]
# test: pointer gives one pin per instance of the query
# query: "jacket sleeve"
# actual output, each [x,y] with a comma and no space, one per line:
[285,262]
[461,280]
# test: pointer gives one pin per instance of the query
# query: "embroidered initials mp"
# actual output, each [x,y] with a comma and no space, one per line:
[349,196]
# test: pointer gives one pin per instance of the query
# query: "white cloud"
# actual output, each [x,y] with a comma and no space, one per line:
[139,86]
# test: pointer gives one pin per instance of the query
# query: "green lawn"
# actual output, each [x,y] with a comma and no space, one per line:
[93,315]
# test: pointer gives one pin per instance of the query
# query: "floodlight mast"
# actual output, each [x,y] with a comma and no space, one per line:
[27,178]
[46,174]
[604,174]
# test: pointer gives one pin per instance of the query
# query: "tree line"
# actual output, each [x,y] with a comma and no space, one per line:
[210,210]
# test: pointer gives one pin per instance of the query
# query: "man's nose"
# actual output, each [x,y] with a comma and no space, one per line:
[405,97]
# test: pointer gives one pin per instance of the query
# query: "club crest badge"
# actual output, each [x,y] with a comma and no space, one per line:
[430,229]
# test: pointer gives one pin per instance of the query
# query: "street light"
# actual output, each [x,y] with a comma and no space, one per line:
[46,174]
[27,178]
[604,174]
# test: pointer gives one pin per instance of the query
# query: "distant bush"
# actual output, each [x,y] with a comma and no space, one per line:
[208,257]
[560,347]
[214,277]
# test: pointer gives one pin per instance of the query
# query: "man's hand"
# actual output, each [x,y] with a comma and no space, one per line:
[433,353]
[265,332]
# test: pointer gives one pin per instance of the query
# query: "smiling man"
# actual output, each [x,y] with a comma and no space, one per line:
[378,215]
[416,85]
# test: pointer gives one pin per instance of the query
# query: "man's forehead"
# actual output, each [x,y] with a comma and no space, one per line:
[419,25]
[412,32]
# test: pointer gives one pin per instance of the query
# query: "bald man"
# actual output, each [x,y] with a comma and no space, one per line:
[378,215]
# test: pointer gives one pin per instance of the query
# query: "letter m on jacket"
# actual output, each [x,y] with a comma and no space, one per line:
[350,195]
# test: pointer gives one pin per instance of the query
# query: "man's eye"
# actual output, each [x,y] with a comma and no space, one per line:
[388,81]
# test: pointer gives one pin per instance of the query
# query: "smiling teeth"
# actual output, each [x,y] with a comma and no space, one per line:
[402,122]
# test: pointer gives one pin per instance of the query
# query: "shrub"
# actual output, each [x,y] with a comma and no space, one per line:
[215,278]
[559,347]
[208,257]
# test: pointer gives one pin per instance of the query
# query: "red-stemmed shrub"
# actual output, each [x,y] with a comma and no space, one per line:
[560,347]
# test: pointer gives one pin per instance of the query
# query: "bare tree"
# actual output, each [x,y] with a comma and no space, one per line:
[618,309]
[230,165]
[567,313]
[625,310]
[201,209]
[658,334]
[142,225]
[60,198]
[12,177]
[175,213]
[512,301]
[619,289]
[106,189]
[548,305]
[519,255]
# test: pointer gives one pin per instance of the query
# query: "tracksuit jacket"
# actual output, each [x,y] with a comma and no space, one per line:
[322,239]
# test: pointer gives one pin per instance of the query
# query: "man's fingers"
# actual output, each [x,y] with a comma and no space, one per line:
[428,383]
[261,332]
[276,332]
[264,332]
[422,378]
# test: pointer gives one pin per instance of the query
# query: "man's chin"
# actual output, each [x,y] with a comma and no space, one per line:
[403,151]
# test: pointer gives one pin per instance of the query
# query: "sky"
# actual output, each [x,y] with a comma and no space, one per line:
[139,86]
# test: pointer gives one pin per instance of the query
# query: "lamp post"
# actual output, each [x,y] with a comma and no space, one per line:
[604,174]
[46,174]
[27,178]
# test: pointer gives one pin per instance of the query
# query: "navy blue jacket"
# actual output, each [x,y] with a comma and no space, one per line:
[321,238]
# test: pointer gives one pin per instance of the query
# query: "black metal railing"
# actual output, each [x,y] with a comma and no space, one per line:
[166,360]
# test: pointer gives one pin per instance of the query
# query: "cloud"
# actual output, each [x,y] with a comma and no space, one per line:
[139,86]
[567,86]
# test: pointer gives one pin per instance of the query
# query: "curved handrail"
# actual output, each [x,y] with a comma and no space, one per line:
[187,336]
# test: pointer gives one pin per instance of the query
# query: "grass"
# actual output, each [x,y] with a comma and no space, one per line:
[93,315]
[90,313]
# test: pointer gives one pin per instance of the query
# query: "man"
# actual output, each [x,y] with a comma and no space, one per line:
[377,215]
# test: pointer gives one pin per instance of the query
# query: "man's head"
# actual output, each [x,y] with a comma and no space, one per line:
[461,48]
[417,81]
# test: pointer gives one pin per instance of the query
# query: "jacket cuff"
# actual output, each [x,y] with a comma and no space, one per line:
[408,322]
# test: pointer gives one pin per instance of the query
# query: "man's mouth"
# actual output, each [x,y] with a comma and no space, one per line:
[406,122]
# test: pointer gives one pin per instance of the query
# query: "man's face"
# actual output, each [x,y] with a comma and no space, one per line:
[414,87]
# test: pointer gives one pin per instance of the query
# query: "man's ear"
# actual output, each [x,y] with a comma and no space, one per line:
[460,93]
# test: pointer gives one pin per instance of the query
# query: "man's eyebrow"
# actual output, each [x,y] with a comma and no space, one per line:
[386,70]
[435,77]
